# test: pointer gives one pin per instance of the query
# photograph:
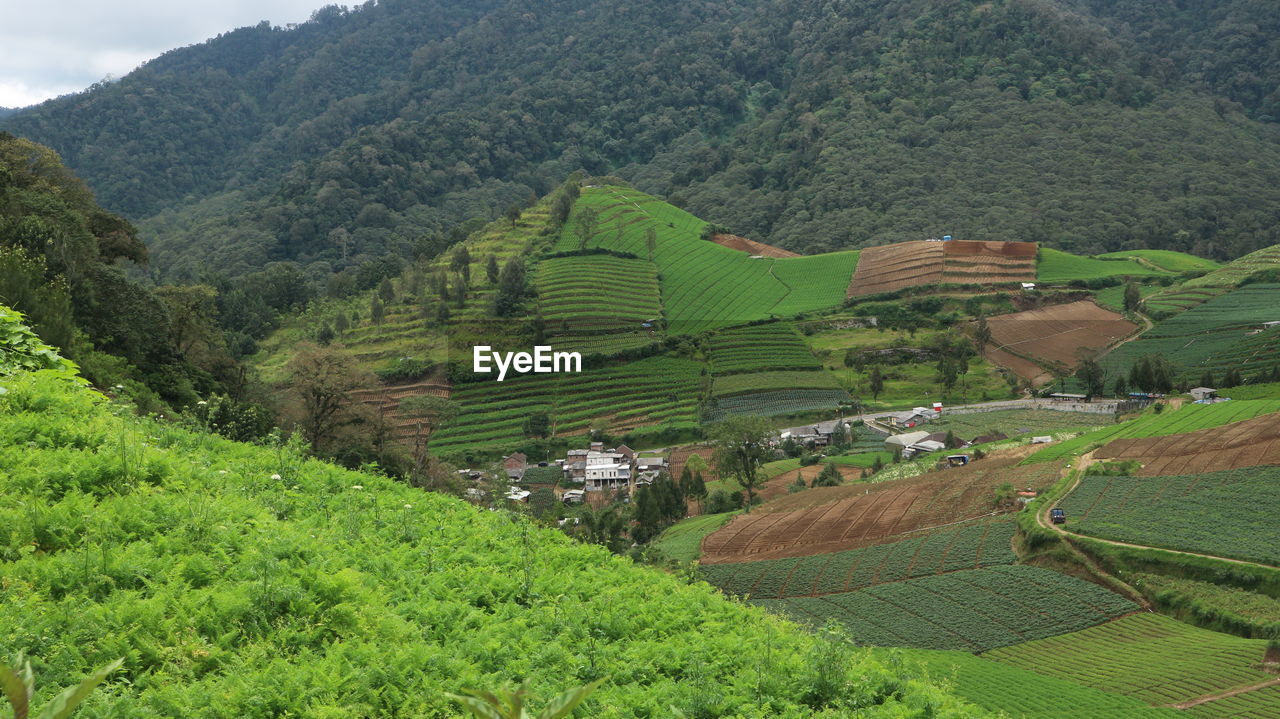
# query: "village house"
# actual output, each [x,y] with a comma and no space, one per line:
[515,465]
[818,435]
[597,469]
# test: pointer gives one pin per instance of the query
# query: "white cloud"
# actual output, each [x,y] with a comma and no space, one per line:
[52,48]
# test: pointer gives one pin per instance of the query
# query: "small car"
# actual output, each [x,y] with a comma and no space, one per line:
[1057,516]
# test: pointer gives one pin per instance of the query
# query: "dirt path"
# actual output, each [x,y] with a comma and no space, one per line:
[1223,695]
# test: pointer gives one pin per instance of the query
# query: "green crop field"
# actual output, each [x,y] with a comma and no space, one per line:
[776,402]
[1167,260]
[1013,422]
[682,541]
[1189,418]
[705,285]
[597,302]
[1220,333]
[1226,514]
[1058,266]
[1261,703]
[967,547]
[971,610]
[1259,608]
[1176,299]
[1234,272]
[653,392]
[1023,694]
[1146,656]
[1266,390]
[772,346]
[1112,298]
[771,381]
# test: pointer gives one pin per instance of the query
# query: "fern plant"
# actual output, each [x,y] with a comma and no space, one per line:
[511,705]
[19,685]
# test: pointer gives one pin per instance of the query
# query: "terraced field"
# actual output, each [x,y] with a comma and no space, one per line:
[1026,342]
[910,264]
[1178,299]
[598,303]
[969,546]
[705,285]
[651,393]
[775,402]
[1023,694]
[386,400]
[772,346]
[1167,260]
[751,247]
[1224,331]
[1226,514]
[1056,266]
[1151,658]
[1248,443]
[739,384]
[1189,418]
[972,610]
[830,519]
[1234,272]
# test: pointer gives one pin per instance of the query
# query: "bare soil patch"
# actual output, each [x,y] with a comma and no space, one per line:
[751,247]
[1060,333]
[910,264]
[1251,443]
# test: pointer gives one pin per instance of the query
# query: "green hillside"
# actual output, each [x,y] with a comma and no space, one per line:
[1057,266]
[599,304]
[247,581]
[1163,259]
[705,285]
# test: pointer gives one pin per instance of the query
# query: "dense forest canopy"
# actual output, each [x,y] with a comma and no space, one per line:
[1084,125]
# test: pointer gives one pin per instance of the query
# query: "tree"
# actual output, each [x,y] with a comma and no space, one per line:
[650,241]
[741,445]
[1132,297]
[341,323]
[947,372]
[322,380]
[386,291]
[1092,376]
[1232,378]
[325,334]
[511,288]
[1206,379]
[442,313]
[513,214]
[460,262]
[587,223]
[376,310]
[876,382]
[491,269]
[982,333]
[1121,387]
[828,477]
[537,425]
[460,291]
[429,413]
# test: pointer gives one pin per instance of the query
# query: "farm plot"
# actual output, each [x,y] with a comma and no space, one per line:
[970,262]
[682,541]
[1026,342]
[773,346]
[737,384]
[658,392]
[1226,514]
[751,247]
[1146,656]
[597,302]
[971,610]
[1250,443]
[1189,418]
[1234,272]
[910,264]
[386,400]
[1176,299]
[1167,260]
[830,519]
[1057,266]
[1261,703]
[1023,694]
[971,546]
[1225,331]
[704,285]
[775,402]
[814,282]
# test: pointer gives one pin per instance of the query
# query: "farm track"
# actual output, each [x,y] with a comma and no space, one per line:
[1224,695]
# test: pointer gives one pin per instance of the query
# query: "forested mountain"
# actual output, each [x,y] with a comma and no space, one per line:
[1082,124]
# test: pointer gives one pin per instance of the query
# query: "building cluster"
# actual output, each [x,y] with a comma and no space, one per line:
[594,469]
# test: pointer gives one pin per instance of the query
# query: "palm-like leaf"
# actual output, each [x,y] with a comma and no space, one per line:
[71,697]
[562,705]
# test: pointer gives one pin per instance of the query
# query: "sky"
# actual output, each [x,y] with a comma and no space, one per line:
[53,47]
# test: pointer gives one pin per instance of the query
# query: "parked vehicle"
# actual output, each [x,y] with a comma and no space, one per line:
[1057,516]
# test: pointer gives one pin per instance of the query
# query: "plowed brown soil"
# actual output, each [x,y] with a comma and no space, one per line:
[817,521]
[910,264]
[1251,443]
[1062,333]
[751,247]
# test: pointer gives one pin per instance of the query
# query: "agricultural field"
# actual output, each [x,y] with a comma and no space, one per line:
[972,610]
[682,541]
[1170,301]
[751,247]
[775,402]
[657,392]
[597,303]
[1056,266]
[1249,443]
[829,519]
[1023,694]
[1028,342]
[772,346]
[1235,272]
[1265,390]
[1189,418]
[738,384]
[1224,514]
[912,264]
[1225,331]
[1146,656]
[1259,608]
[1166,260]
[1112,298]
[970,546]
[705,285]
[1263,703]
[1013,422]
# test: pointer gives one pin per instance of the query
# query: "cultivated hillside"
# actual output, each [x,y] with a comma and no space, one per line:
[808,126]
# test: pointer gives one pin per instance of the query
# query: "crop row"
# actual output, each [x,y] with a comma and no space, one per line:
[763,347]
[775,402]
[1147,656]
[1229,514]
[768,381]
[973,610]
[967,547]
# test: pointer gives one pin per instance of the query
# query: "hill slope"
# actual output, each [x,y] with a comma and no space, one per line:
[808,126]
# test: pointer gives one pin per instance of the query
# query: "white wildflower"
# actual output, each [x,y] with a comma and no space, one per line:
[408,506]
[357,486]
[275,476]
